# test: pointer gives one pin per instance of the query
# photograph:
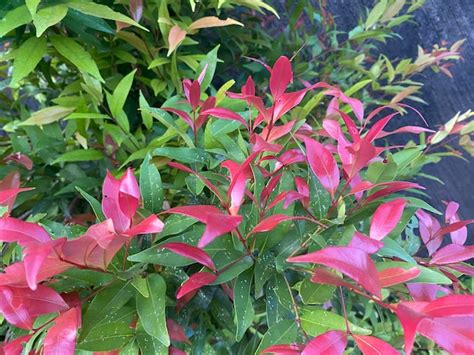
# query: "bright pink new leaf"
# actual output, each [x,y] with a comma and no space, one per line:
[352,262]
[323,164]
[149,225]
[386,218]
[428,228]
[397,275]
[373,346]
[332,342]
[15,346]
[281,76]
[271,222]
[452,253]
[363,242]
[225,114]
[190,252]
[24,233]
[195,282]
[61,337]
[217,223]
[426,292]
[459,236]
[239,174]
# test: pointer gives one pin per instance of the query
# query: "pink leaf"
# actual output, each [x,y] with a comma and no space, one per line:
[277,131]
[184,116]
[225,114]
[281,76]
[286,102]
[175,37]
[195,282]
[216,222]
[20,158]
[61,337]
[283,349]
[332,342]
[386,218]
[149,225]
[426,292]
[175,331]
[120,199]
[453,227]
[15,346]
[136,9]
[239,174]
[373,346]
[326,277]
[390,188]
[397,275]
[352,262]
[323,164]
[428,227]
[271,222]
[451,305]
[190,252]
[452,253]
[459,236]
[194,94]
[363,242]
[24,233]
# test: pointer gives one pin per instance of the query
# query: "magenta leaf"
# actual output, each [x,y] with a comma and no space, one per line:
[195,282]
[332,342]
[61,337]
[190,252]
[386,218]
[281,76]
[397,275]
[370,345]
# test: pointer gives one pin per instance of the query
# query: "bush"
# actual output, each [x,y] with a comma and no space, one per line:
[231,268]
[265,220]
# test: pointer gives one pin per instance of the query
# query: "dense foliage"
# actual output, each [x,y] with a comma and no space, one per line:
[271,219]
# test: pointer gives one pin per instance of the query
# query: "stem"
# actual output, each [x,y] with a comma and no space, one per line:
[295,309]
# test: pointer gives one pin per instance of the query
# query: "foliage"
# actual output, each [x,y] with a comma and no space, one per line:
[253,233]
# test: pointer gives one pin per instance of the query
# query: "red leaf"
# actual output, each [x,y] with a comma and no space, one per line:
[326,277]
[373,346]
[455,335]
[225,114]
[195,282]
[190,252]
[426,292]
[194,94]
[286,102]
[378,127]
[176,351]
[239,174]
[323,164]
[103,233]
[397,275]
[356,156]
[20,159]
[459,236]
[386,218]
[271,222]
[277,131]
[281,76]
[428,227]
[184,115]
[15,346]
[175,331]
[352,262]
[120,199]
[149,225]
[390,188]
[61,337]
[283,349]
[453,227]
[451,305]
[452,253]
[332,342]
[363,242]
[24,233]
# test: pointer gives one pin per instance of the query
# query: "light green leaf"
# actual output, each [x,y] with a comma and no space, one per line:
[312,293]
[243,306]
[147,118]
[47,115]
[48,17]
[376,13]
[151,186]
[151,310]
[184,155]
[427,275]
[32,5]
[27,58]
[157,62]
[391,248]
[209,63]
[233,271]
[79,155]
[141,285]
[102,11]
[149,345]
[120,94]
[13,19]
[77,55]
[316,321]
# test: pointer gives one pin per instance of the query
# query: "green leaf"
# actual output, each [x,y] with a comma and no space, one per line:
[32,5]
[157,62]
[48,17]
[107,337]
[312,293]
[392,248]
[233,271]
[243,306]
[149,345]
[284,332]
[316,321]
[27,58]
[13,19]
[79,155]
[96,206]
[141,285]
[151,310]
[77,55]
[264,269]
[184,155]
[382,171]
[376,14]
[102,11]
[147,118]
[106,302]
[120,93]
[210,63]
[47,115]
[427,275]
[151,186]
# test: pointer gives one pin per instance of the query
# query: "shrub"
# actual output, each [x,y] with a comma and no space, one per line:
[252,232]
